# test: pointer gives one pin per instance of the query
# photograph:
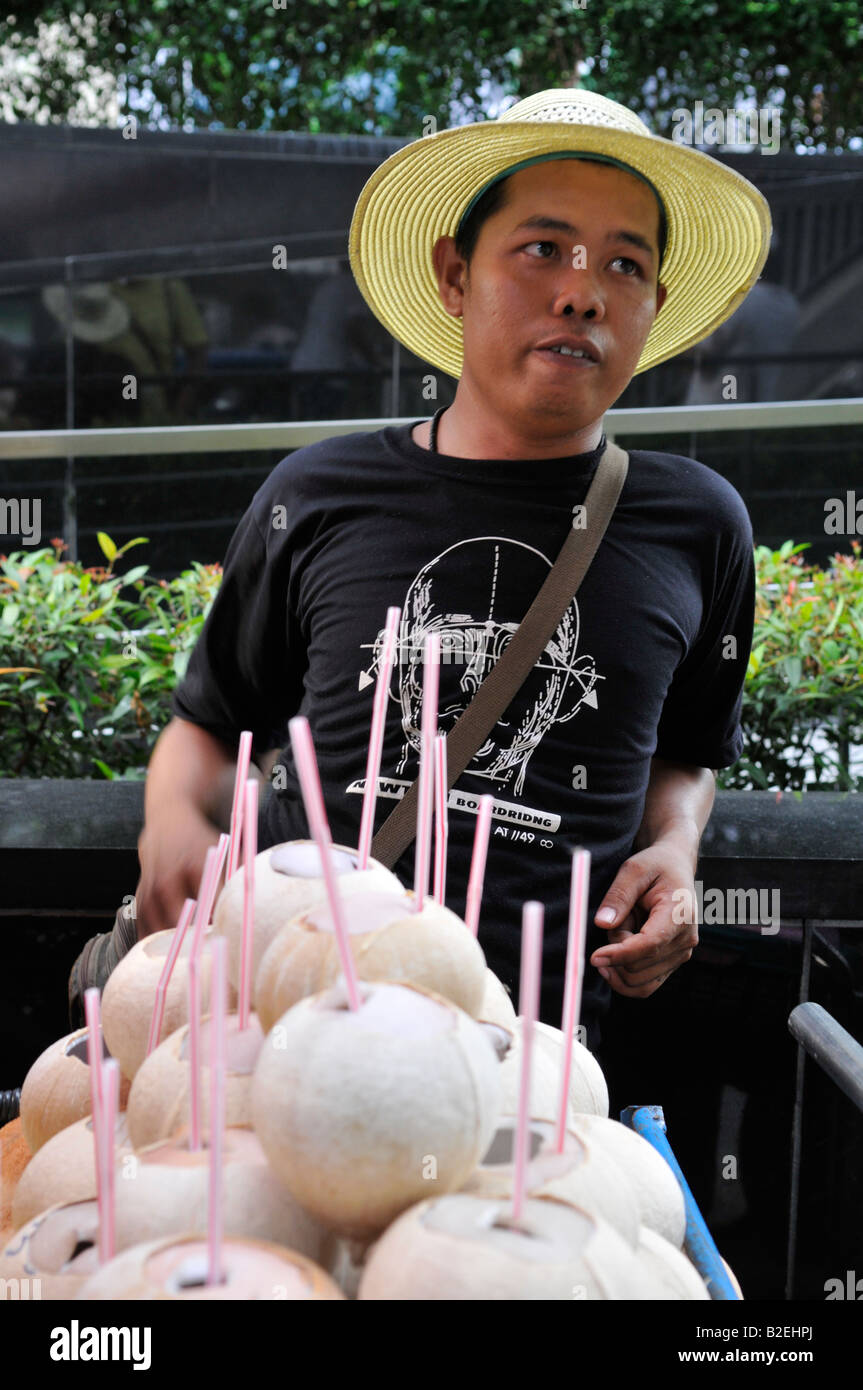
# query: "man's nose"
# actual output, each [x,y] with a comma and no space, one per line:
[578,293]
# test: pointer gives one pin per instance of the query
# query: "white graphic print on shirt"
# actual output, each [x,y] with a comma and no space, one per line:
[471,643]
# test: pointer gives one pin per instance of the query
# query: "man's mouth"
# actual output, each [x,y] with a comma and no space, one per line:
[570,353]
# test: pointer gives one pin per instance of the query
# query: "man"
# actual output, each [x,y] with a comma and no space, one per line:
[542,259]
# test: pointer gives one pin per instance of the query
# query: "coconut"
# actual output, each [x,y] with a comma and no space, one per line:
[288,880]
[130,994]
[53,1255]
[175,1269]
[657,1191]
[14,1158]
[390,940]
[362,1112]
[56,1090]
[733,1277]
[159,1101]
[497,1005]
[588,1093]
[581,1176]
[465,1247]
[64,1170]
[163,1191]
[674,1273]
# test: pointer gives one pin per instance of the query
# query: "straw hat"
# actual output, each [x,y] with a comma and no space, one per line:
[96,315]
[718,223]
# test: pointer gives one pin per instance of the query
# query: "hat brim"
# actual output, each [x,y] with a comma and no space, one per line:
[718,228]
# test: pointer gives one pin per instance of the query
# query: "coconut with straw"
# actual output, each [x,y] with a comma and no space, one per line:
[288,878]
[64,1170]
[370,1094]
[146,996]
[471,1247]
[187,1266]
[409,937]
[57,1091]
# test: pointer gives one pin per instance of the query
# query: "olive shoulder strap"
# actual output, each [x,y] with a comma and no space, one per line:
[522,652]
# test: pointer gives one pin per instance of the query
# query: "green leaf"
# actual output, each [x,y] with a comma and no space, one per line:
[104,769]
[10,614]
[107,546]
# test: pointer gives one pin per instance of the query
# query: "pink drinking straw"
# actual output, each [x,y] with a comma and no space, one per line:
[212,864]
[528,1002]
[105,1158]
[477,863]
[431,676]
[218,1065]
[376,742]
[167,970]
[313,800]
[250,849]
[441,834]
[574,976]
[244,757]
[92,1014]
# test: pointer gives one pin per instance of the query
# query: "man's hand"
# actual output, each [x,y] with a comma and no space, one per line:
[647,941]
[171,850]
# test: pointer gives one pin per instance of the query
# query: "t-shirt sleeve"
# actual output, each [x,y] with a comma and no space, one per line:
[246,669]
[701,717]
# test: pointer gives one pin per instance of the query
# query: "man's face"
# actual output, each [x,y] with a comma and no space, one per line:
[573,253]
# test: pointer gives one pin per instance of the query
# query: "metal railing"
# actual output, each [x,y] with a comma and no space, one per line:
[196,439]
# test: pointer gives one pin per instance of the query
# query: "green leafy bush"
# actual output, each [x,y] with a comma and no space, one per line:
[89,659]
[803,698]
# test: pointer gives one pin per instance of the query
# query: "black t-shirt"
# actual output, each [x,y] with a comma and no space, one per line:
[650,657]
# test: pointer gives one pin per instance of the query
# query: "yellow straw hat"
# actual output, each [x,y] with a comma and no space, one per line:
[718,223]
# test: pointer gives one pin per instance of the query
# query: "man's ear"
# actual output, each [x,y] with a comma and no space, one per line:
[661,292]
[451,273]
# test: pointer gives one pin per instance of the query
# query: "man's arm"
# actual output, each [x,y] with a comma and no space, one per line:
[677,805]
[653,927]
[187,801]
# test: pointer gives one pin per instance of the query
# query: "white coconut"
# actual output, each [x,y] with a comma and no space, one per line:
[390,940]
[497,1005]
[464,1247]
[64,1170]
[363,1112]
[130,995]
[660,1199]
[159,1101]
[733,1277]
[175,1270]
[674,1273]
[288,880]
[56,1090]
[581,1176]
[53,1255]
[588,1092]
[164,1190]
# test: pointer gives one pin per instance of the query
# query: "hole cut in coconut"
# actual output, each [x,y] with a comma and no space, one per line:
[192,1274]
[182,1268]
[399,1010]
[501,1150]
[500,1038]
[303,860]
[156,947]
[77,1047]
[363,912]
[241,1051]
[66,1240]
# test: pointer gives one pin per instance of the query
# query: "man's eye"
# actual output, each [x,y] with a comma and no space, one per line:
[628,261]
[549,249]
